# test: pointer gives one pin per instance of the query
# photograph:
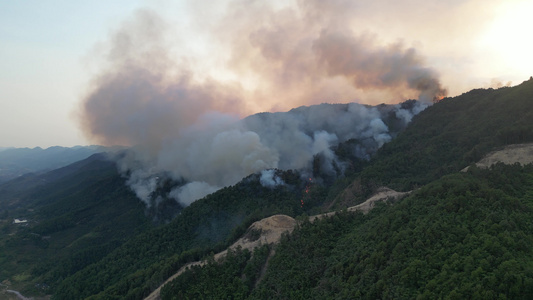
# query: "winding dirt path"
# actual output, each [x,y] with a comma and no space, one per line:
[382,194]
[272,228]
[19,295]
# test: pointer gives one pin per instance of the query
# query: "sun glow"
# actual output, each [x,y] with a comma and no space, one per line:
[508,38]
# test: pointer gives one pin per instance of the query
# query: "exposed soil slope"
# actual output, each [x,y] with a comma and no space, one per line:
[270,230]
[382,194]
[517,153]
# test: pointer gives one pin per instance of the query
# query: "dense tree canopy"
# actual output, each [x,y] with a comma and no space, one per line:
[467,235]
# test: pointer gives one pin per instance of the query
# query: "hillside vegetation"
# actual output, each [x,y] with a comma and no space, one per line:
[74,217]
[208,225]
[457,235]
[462,235]
[466,235]
[453,134]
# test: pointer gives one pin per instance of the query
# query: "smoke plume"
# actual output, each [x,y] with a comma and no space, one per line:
[190,192]
[270,179]
[185,120]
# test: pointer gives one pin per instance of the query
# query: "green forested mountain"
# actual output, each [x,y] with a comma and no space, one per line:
[15,162]
[74,216]
[453,134]
[466,235]
[208,225]
[458,235]
[447,137]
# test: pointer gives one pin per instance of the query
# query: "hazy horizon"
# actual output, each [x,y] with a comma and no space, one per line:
[243,57]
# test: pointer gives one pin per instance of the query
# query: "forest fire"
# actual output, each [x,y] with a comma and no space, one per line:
[438,98]
[307,188]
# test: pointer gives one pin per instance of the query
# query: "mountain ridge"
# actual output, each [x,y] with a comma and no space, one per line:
[15,162]
[428,155]
[268,231]
[509,155]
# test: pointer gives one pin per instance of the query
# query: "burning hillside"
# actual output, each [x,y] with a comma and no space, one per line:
[186,123]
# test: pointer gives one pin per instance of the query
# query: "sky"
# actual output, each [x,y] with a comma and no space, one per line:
[58,56]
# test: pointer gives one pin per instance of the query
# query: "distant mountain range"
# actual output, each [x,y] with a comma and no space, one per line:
[15,162]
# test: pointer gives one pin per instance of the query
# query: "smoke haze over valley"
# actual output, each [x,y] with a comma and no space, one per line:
[220,151]
[187,123]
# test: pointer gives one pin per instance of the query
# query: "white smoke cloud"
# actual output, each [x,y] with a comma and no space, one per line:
[188,126]
[270,179]
[190,192]
[218,156]
[142,186]
[140,173]
[323,141]
[219,150]
[379,132]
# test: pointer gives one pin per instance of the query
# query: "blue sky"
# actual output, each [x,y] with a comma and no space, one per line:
[47,51]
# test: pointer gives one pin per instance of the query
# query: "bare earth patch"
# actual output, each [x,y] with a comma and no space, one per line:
[382,194]
[518,153]
[270,230]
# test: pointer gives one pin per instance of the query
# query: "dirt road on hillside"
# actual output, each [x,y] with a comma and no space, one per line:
[272,228]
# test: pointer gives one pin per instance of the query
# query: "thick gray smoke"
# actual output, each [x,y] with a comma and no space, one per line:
[188,125]
[219,154]
[308,52]
[190,192]
[145,98]
[392,67]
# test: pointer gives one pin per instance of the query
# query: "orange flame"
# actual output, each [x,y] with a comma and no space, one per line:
[437,99]
[307,188]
